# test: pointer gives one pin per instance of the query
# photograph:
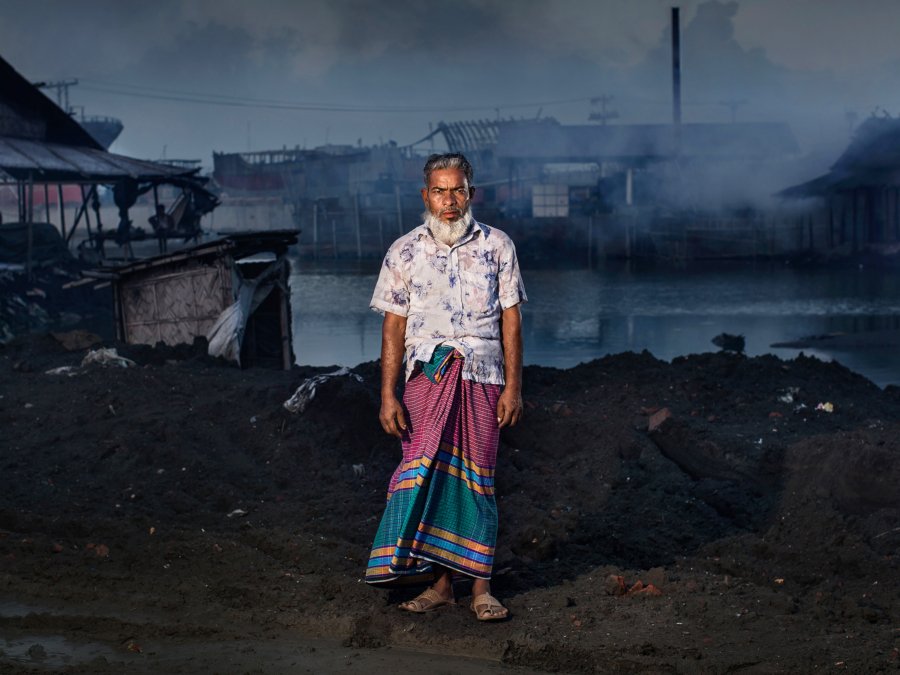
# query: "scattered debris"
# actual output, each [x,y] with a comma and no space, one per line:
[71,371]
[76,340]
[729,343]
[789,394]
[359,470]
[237,513]
[826,407]
[615,585]
[107,356]
[100,550]
[657,419]
[306,392]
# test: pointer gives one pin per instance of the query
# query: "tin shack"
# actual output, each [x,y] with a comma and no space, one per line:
[233,291]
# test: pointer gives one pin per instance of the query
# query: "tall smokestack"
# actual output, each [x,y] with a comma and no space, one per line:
[676,67]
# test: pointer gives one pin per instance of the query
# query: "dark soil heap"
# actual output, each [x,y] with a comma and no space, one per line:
[760,514]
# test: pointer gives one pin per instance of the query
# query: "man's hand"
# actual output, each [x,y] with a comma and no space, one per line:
[393,332]
[392,418]
[509,407]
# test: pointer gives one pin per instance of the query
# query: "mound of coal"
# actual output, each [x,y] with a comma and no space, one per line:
[717,465]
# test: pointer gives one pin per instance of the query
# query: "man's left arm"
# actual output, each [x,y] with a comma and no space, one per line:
[509,406]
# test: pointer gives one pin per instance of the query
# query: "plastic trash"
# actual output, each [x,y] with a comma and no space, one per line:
[106,356]
[306,392]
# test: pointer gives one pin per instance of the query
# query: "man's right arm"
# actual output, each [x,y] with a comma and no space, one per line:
[393,337]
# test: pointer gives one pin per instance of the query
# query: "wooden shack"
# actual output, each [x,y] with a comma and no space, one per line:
[859,198]
[237,284]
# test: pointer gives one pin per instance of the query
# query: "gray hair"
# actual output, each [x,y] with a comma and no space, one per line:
[449,160]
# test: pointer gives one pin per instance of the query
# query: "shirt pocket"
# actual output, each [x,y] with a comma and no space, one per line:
[480,290]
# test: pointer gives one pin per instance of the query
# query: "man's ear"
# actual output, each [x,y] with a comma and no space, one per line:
[424,192]
[471,192]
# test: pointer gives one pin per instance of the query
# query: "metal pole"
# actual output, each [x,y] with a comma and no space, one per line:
[676,80]
[47,201]
[676,67]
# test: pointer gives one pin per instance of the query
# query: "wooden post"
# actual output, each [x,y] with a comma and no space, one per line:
[628,238]
[95,204]
[82,210]
[87,215]
[356,220]
[30,236]
[333,239]
[399,209]
[830,223]
[285,313]
[160,233]
[590,241]
[62,210]
[315,229]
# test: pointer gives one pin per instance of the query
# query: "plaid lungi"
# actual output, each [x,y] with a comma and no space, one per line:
[441,507]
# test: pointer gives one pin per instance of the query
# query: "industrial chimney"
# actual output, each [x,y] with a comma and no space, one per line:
[676,68]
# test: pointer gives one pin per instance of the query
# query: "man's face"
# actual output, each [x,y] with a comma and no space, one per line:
[448,194]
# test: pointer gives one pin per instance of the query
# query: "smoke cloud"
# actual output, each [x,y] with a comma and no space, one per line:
[147,63]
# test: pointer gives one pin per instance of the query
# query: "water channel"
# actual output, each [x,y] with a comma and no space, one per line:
[577,315]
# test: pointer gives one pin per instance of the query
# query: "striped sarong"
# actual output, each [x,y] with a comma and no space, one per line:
[441,506]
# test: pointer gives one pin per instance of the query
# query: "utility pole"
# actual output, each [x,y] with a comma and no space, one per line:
[602,115]
[733,104]
[62,92]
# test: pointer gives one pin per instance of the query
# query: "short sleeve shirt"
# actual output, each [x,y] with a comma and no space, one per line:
[452,295]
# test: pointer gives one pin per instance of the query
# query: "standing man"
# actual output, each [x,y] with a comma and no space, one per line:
[450,292]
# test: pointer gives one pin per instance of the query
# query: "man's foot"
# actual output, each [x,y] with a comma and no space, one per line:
[488,608]
[427,601]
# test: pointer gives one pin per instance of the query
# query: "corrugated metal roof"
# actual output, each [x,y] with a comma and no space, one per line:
[871,160]
[52,162]
[236,245]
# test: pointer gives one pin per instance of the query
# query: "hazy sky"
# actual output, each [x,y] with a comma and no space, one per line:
[296,72]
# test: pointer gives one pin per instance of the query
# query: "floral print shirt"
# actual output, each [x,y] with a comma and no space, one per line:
[452,295]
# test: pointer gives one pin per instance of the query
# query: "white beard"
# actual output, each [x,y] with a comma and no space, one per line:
[448,233]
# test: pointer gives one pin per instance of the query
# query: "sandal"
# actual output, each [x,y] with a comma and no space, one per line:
[427,601]
[488,608]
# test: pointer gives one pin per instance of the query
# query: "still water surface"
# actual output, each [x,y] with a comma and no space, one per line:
[578,315]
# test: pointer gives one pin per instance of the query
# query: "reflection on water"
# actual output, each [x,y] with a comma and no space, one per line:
[578,315]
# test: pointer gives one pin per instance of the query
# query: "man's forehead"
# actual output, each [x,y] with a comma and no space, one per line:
[447,178]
